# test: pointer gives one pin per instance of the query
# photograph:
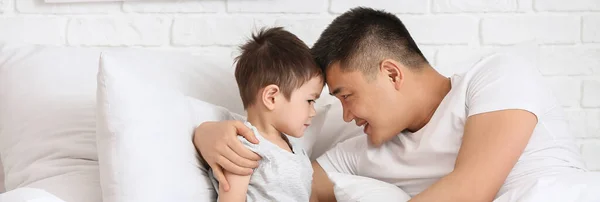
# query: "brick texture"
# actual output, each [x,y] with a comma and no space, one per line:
[38,6]
[591,93]
[440,30]
[145,31]
[570,61]
[35,30]
[280,6]
[230,31]
[185,6]
[405,6]
[307,29]
[462,6]
[543,29]
[571,5]
[566,89]
[591,28]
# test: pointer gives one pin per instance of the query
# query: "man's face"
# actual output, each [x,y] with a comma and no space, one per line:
[373,102]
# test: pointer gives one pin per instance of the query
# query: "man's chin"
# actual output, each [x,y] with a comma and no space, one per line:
[377,140]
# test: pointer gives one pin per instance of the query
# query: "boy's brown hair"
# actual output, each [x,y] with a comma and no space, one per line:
[273,56]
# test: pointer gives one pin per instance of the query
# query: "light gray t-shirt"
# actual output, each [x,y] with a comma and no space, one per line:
[280,176]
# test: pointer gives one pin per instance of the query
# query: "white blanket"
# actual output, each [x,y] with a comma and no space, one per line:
[28,195]
[575,187]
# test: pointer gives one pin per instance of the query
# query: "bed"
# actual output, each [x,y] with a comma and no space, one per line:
[65,135]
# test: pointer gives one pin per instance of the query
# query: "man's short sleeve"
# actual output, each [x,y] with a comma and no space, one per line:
[345,156]
[502,82]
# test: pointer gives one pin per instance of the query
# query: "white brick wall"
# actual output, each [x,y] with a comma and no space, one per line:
[591,30]
[447,30]
[571,5]
[550,29]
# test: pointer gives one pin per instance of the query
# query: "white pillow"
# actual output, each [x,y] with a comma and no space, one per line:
[334,130]
[47,120]
[146,122]
[363,189]
[208,77]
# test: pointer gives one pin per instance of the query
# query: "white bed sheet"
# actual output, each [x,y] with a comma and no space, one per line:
[1,177]
[28,195]
[574,187]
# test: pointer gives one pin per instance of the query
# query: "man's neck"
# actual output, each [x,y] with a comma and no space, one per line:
[434,89]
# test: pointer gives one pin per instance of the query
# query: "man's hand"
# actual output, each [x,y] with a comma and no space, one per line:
[219,146]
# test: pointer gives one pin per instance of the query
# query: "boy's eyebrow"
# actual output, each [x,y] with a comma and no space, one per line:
[316,95]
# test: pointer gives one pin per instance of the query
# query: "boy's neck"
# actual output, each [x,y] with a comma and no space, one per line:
[259,119]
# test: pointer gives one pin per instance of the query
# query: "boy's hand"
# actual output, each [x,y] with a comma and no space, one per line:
[219,146]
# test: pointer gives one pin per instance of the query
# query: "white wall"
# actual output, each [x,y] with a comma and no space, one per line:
[447,30]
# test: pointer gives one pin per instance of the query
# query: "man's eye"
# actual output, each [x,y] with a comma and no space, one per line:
[311,101]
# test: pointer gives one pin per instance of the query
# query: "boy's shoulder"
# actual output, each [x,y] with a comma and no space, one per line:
[256,148]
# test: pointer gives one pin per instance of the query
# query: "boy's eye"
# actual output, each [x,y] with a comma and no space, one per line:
[311,101]
[345,96]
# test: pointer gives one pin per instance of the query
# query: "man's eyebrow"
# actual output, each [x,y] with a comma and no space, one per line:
[336,91]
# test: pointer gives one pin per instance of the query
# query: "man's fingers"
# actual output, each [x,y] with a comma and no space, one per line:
[232,168]
[244,152]
[218,172]
[239,160]
[244,131]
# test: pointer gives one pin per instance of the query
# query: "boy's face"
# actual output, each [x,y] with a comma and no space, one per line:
[295,115]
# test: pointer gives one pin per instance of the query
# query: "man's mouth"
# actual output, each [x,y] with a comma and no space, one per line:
[365,124]
[361,123]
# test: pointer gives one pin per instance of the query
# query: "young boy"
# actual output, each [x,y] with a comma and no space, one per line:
[279,82]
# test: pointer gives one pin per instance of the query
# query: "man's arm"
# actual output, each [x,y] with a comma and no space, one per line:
[322,188]
[492,144]
[238,188]
[342,158]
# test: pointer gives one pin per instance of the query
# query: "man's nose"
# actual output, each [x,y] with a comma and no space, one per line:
[348,116]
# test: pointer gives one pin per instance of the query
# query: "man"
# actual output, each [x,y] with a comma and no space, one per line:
[471,137]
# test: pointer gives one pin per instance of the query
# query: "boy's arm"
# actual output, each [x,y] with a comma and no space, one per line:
[238,186]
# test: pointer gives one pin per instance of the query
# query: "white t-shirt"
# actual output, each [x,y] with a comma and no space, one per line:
[414,161]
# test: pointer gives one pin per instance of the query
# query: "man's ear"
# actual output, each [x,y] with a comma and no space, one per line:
[269,95]
[393,71]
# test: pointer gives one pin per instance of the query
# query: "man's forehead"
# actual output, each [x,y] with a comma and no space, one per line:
[337,83]
[337,79]
[334,73]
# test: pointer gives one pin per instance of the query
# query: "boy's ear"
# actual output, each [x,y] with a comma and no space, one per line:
[269,96]
[393,71]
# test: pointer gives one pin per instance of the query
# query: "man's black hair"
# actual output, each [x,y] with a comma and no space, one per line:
[361,38]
